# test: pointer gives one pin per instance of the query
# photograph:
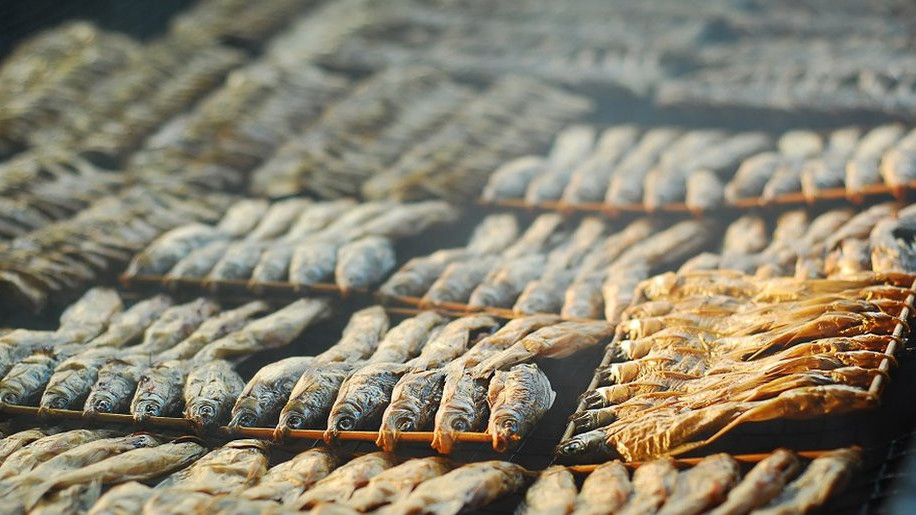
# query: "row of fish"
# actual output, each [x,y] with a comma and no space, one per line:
[777,484]
[700,353]
[582,272]
[151,359]
[295,241]
[56,471]
[625,166]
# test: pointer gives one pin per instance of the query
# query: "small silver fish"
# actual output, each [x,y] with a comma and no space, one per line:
[518,399]
[360,338]
[115,386]
[209,393]
[493,234]
[512,178]
[363,397]
[237,262]
[212,329]
[198,263]
[69,386]
[242,217]
[418,275]
[175,324]
[414,400]
[312,396]
[265,394]
[504,283]
[165,252]
[458,280]
[364,263]
[313,262]
[160,391]
[278,219]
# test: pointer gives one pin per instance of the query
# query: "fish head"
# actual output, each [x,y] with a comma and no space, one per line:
[141,440]
[146,408]
[56,398]
[11,392]
[346,416]
[486,295]
[505,429]
[585,445]
[203,413]
[293,416]
[99,401]
[246,413]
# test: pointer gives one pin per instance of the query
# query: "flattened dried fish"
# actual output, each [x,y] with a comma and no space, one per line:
[705,485]
[160,391]
[115,386]
[131,323]
[518,398]
[360,338]
[212,329]
[263,397]
[312,396]
[31,456]
[413,405]
[824,476]
[285,482]
[605,490]
[396,483]
[162,255]
[363,397]
[126,498]
[493,234]
[364,263]
[653,483]
[269,332]
[226,470]
[16,441]
[209,393]
[504,283]
[417,275]
[466,488]
[175,324]
[512,178]
[761,484]
[458,280]
[342,482]
[554,493]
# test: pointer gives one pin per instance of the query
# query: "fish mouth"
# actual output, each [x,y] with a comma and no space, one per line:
[54,400]
[9,395]
[505,433]
[203,415]
[94,406]
[146,410]
[571,447]
[243,418]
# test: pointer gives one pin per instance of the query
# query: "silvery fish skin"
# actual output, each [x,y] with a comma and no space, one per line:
[16,441]
[539,237]
[279,218]
[236,263]
[175,324]
[702,487]
[705,191]
[265,394]
[545,295]
[242,217]
[407,220]
[751,177]
[396,483]
[605,490]
[340,484]
[209,393]
[518,398]
[314,261]
[19,344]
[25,382]
[160,391]
[504,283]
[463,406]
[590,179]
[27,458]
[286,482]
[653,483]
[316,217]
[130,323]
[115,387]
[363,397]
[229,469]
[493,234]
[466,488]
[364,262]
[90,315]
[269,332]
[138,464]
[312,397]
[125,498]
[458,280]
[199,262]
[405,340]
[212,329]
[417,275]
[512,178]
[413,405]
[825,475]
[73,378]
[273,266]
[360,338]
[553,493]
[164,252]
[451,341]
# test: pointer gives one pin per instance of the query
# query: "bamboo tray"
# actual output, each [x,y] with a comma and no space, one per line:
[867,194]
[876,388]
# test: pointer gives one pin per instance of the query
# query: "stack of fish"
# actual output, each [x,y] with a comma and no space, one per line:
[548,269]
[362,134]
[700,353]
[774,485]
[513,116]
[66,256]
[150,359]
[296,241]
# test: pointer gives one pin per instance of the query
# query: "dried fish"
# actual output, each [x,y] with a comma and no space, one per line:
[312,396]
[589,181]
[570,148]
[396,483]
[340,484]
[504,283]
[746,235]
[518,398]
[199,262]
[69,386]
[242,217]
[318,216]
[458,280]
[539,237]
[16,441]
[165,252]
[286,482]
[269,332]
[43,449]
[583,298]
[451,341]
[898,167]
[653,483]
[279,218]
[764,482]
[226,470]
[125,498]
[160,391]
[824,476]
[115,386]
[463,406]
[237,263]
[418,275]
[554,493]
[705,485]
[263,397]
[466,488]
[407,219]
[414,400]
[863,169]
[705,191]
[605,490]
[363,397]
[360,338]
[212,329]
[626,185]
[313,262]
[511,179]
[73,499]
[26,380]
[209,393]
[545,295]
[493,234]
[553,341]
[892,248]
[752,176]
[174,325]
[364,262]
[405,340]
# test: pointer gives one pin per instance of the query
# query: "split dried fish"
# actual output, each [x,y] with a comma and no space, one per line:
[286,482]
[340,484]
[396,483]
[209,393]
[518,398]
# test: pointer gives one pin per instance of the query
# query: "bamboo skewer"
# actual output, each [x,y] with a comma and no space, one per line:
[266,288]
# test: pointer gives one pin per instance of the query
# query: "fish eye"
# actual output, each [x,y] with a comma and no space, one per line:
[510,425]
[246,419]
[346,423]
[10,398]
[294,422]
[405,424]
[59,403]
[102,405]
[461,425]
[151,409]
[206,411]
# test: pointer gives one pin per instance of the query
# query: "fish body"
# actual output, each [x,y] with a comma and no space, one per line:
[69,386]
[405,340]
[824,476]
[122,499]
[210,392]
[451,341]
[512,178]
[552,341]
[174,325]
[768,477]
[463,407]
[164,252]
[278,218]
[360,338]
[26,380]
[364,263]
[313,262]
[493,234]
[553,493]
[115,387]
[653,483]
[752,176]
[285,482]
[405,220]
[340,484]
[236,263]
[226,470]
[12,443]
[539,237]
[31,456]
[363,397]
[160,391]
[605,490]
[242,217]
[413,405]
[199,263]
[212,329]
[518,398]
[397,482]
[418,275]
[705,191]
[504,283]
[583,298]
[312,396]
[705,485]
[132,322]
[458,280]
[317,216]
[545,295]
[265,394]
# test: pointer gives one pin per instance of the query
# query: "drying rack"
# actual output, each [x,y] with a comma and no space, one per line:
[876,388]
[868,193]
[241,286]
[415,305]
